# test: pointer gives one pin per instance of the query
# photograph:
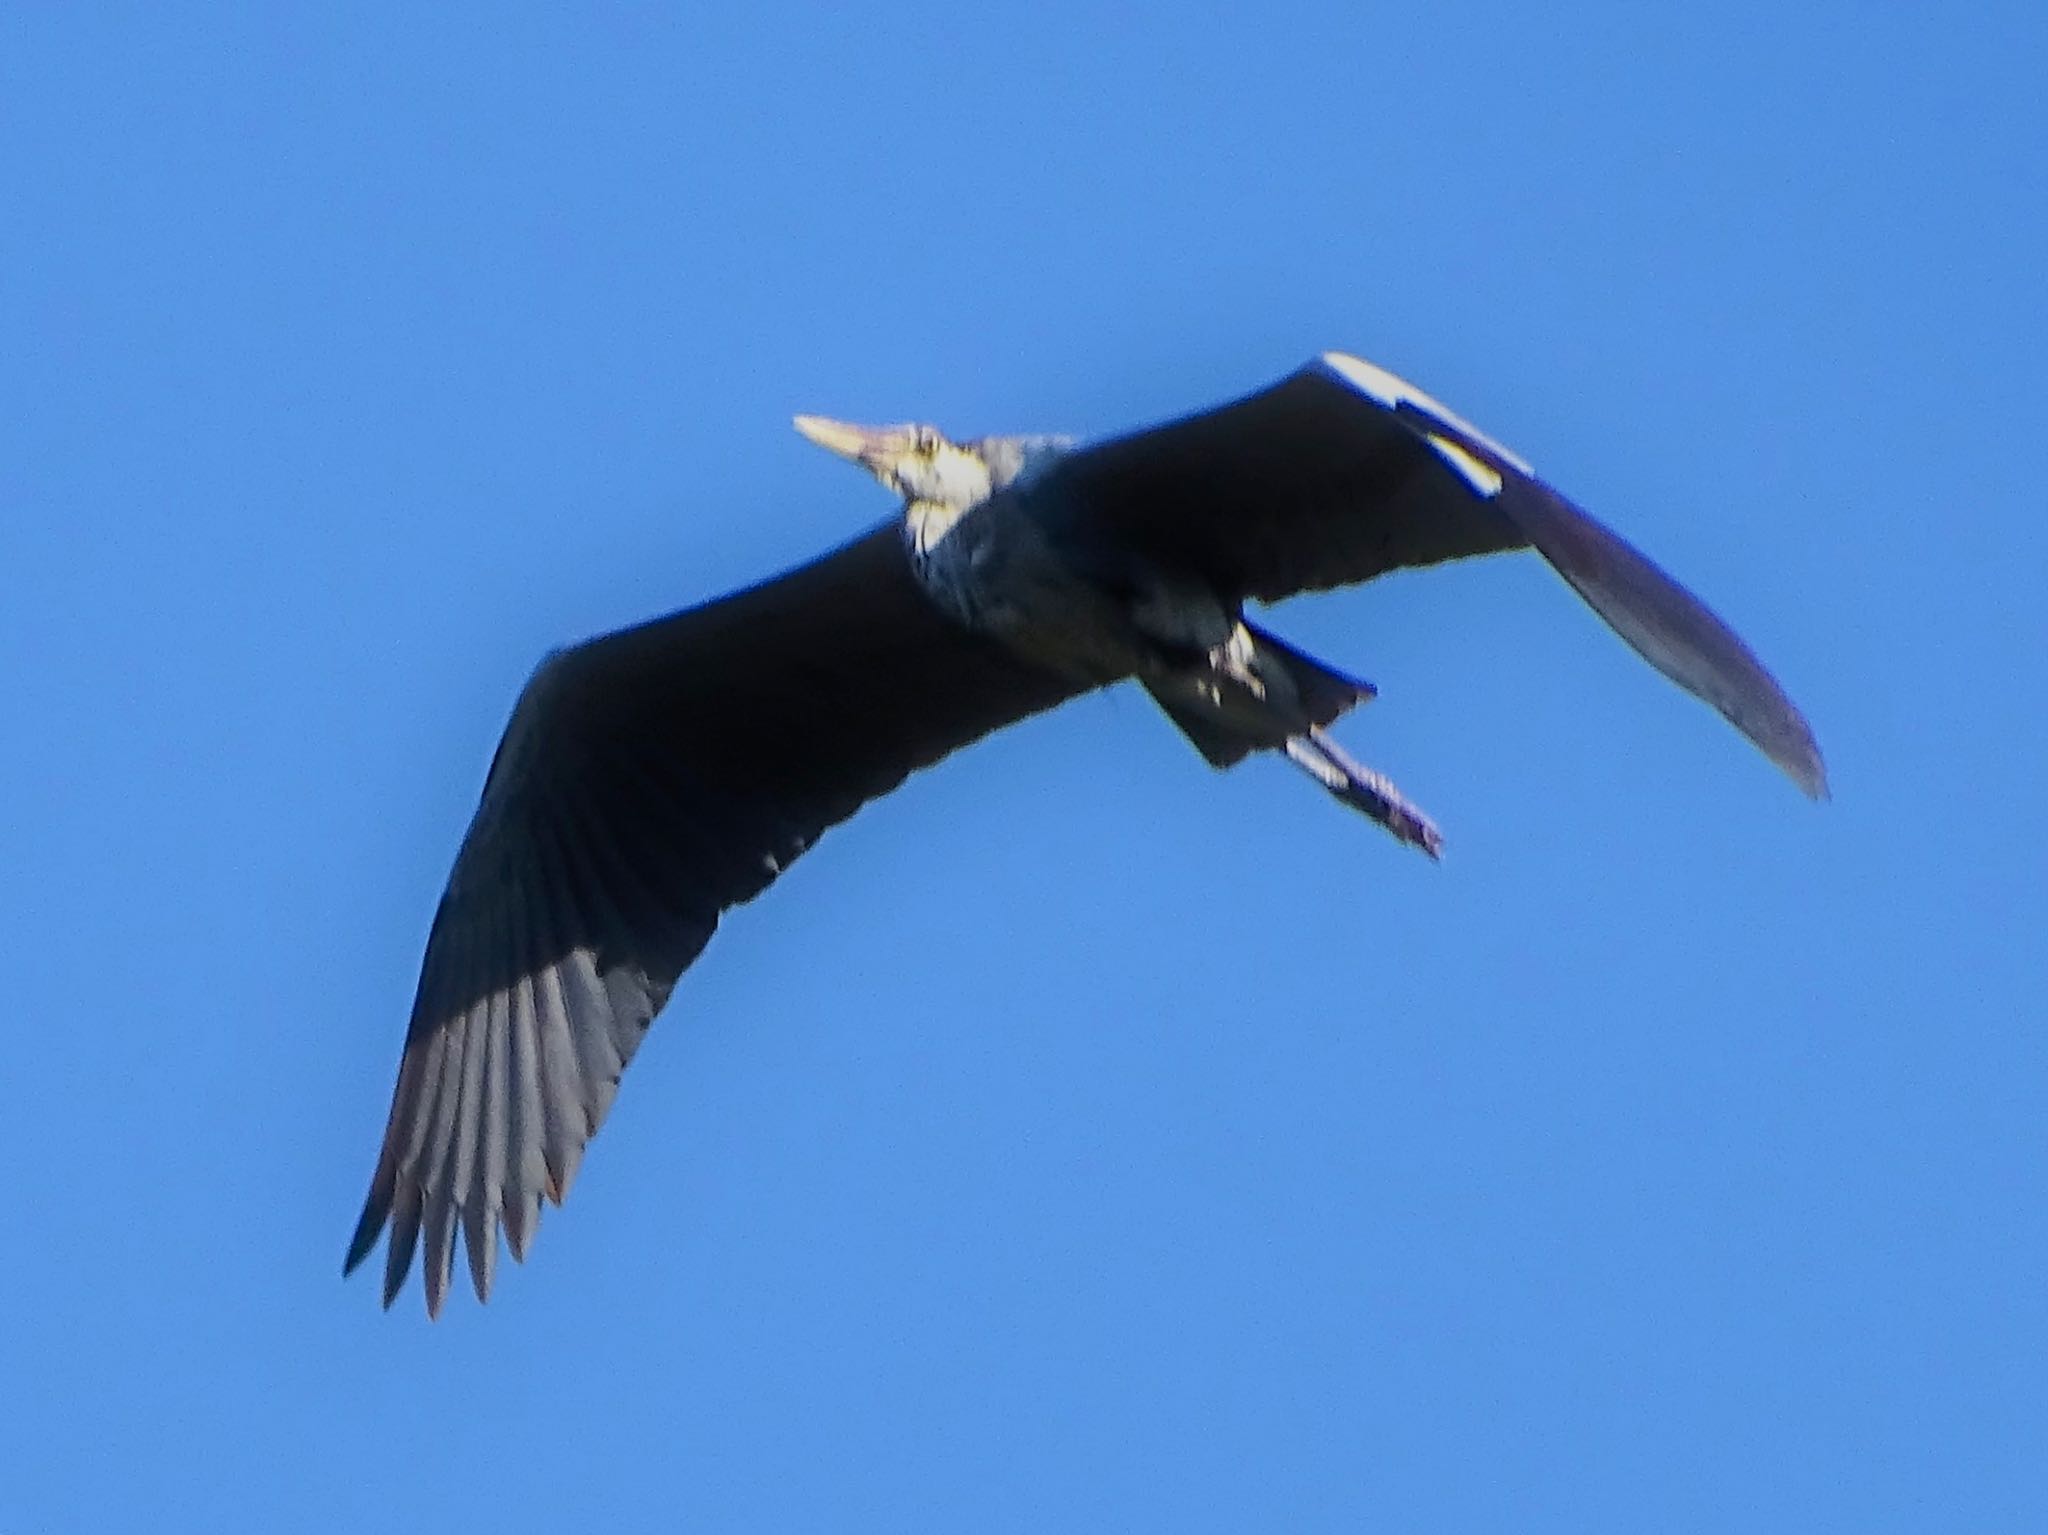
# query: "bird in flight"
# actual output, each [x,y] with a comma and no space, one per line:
[652,778]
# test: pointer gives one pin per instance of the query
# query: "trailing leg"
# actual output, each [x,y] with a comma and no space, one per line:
[1365,791]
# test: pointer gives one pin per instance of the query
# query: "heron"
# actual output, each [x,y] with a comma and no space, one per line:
[652,778]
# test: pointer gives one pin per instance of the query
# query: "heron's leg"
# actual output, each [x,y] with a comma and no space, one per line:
[1363,790]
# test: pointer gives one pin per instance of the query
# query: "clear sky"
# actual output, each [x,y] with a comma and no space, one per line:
[1079,1139]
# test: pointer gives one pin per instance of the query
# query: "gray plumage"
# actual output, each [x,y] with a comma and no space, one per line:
[653,778]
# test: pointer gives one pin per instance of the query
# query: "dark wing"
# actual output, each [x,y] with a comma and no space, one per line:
[1341,472]
[647,781]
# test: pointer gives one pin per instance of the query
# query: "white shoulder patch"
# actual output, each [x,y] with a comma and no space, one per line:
[1482,479]
[1393,392]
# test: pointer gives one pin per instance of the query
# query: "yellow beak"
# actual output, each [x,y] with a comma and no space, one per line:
[841,437]
[871,446]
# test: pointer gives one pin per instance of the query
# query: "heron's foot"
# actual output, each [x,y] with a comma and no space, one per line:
[1371,794]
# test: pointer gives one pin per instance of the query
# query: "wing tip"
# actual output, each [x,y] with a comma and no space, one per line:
[478,1236]
[480,1239]
[1802,763]
[394,1282]
[1774,725]
[369,1226]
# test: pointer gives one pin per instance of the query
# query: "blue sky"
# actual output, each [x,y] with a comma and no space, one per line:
[1079,1139]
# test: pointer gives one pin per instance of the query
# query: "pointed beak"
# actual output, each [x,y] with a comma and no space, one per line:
[867,445]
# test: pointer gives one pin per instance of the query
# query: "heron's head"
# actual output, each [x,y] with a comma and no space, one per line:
[919,463]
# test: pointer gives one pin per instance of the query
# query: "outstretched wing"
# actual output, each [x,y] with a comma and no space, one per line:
[647,781]
[1341,472]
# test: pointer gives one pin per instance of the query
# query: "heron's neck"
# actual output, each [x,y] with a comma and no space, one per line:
[927,522]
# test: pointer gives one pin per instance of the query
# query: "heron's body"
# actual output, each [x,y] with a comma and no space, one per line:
[988,557]
[651,779]
[997,568]
[993,569]
[987,563]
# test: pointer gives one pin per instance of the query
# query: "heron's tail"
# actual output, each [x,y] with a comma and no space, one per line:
[1251,695]
[1259,693]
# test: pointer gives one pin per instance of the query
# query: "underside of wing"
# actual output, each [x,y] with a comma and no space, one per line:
[1668,627]
[1306,485]
[1341,472]
[648,780]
